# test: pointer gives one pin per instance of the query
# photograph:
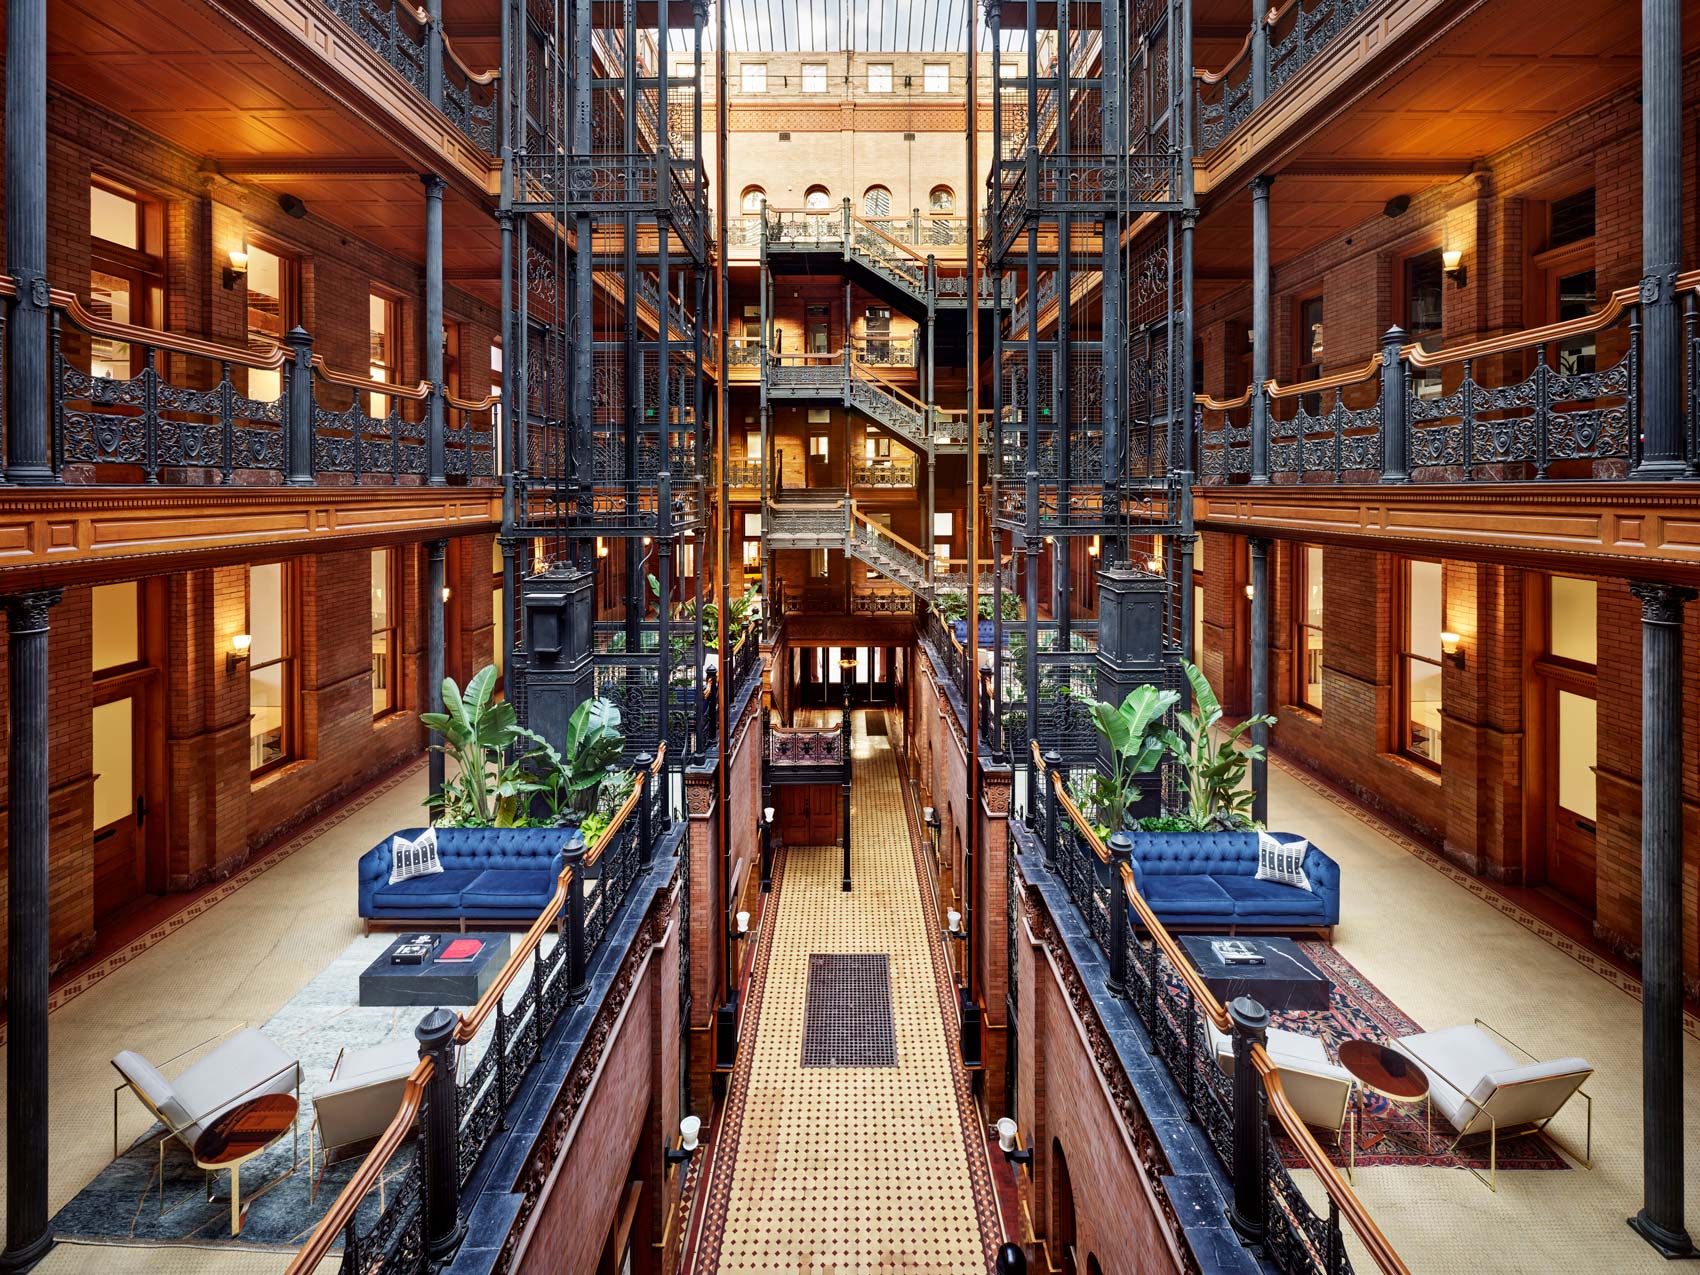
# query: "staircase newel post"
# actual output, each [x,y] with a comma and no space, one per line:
[1250,1025]
[439,1136]
[1121,854]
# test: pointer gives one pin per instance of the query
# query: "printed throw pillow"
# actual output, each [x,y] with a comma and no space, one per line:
[1282,861]
[417,858]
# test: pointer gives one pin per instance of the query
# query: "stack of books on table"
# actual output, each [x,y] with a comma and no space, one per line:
[460,951]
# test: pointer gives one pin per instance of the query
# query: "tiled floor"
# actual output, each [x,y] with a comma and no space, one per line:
[851,1169]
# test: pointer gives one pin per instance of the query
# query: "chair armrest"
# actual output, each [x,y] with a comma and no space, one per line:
[1324,877]
[251,1092]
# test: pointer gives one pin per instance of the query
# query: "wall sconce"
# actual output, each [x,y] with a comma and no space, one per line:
[1250,593]
[447,592]
[767,815]
[601,547]
[1092,549]
[1451,650]
[1009,1142]
[1452,266]
[689,1127]
[237,269]
[953,920]
[743,930]
[238,653]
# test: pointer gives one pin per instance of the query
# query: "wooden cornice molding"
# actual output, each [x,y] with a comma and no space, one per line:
[248,169]
[316,45]
[1622,529]
[80,535]
[1379,42]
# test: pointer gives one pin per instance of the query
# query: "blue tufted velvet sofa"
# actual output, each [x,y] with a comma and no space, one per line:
[489,874]
[1208,880]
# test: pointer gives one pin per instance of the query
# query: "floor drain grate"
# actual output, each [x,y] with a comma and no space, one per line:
[847,1012]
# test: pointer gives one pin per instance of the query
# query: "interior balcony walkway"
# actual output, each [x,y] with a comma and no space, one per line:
[850,1168]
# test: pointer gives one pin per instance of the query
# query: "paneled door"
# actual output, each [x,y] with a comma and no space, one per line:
[808,814]
[1572,734]
[120,862]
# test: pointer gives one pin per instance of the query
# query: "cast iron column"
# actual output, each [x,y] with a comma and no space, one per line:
[434,654]
[1661,239]
[1250,1025]
[28,458]
[1660,1221]
[1260,674]
[439,1137]
[434,52]
[434,328]
[27,1236]
[1260,327]
[1259,52]
[845,669]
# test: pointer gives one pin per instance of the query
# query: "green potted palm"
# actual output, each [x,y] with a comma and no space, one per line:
[1133,733]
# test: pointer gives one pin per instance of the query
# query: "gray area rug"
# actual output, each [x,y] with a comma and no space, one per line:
[122,1204]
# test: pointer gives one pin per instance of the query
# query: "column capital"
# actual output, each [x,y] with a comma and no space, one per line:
[1260,542]
[1661,603]
[433,185]
[27,612]
[1259,185]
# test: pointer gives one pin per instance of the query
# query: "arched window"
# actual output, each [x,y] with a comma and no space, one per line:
[753,195]
[942,200]
[876,202]
[817,198]
[1062,1208]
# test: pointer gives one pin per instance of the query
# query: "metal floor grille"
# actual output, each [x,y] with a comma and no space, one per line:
[847,1012]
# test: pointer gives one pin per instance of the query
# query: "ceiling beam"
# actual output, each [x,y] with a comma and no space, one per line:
[284,166]
[1378,169]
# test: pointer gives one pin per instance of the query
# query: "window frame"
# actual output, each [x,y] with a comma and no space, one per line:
[890,77]
[745,70]
[927,69]
[804,77]
[1302,627]
[391,632]
[378,405]
[142,268]
[825,194]
[1402,674]
[949,210]
[288,300]
[756,192]
[290,644]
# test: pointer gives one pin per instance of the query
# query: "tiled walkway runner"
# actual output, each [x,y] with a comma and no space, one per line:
[835,1169]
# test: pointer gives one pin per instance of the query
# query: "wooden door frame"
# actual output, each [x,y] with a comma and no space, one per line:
[143,682]
[1542,676]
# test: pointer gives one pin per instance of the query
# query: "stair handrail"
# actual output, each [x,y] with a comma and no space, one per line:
[885,533]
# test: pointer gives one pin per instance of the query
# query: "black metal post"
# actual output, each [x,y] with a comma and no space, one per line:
[434,406]
[1250,1026]
[1121,855]
[1395,431]
[572,854]
[1053,762]
[845,669]
[766,854]
[28,444]
[1011,1260]
[1661,240]
[434,584]
[1260,675]
[434,52]
[1259,52]
[644,763]
[439,1137]
[1660,1221]
[1261,330]
[27,1236]
[299,388]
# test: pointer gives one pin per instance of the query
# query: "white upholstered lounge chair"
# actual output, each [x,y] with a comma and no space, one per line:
[1482,1087]
[359,1100]
[1319,1090]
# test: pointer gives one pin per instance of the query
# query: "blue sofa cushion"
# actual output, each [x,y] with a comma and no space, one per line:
[1270,898]
[440,890]
[530,890]
[1185,898]
[1215,854]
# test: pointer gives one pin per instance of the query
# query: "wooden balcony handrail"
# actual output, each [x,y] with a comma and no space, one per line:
[872,372]
[920,257]
[1333,381]
[1211,404]
[474,77]
[1270,20]
[885,532]
[594,854]
[330,1227]
[1082,824]
[418,393]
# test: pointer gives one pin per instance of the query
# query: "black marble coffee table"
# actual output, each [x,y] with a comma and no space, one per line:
[434,982]
[1287,979]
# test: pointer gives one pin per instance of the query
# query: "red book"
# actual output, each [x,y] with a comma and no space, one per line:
[462,950]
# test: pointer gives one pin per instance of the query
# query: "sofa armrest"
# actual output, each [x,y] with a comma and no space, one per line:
[373,872]
[1324,877]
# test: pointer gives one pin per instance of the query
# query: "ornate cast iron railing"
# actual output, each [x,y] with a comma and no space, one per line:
[1174,1004]
[197,412]
[1559,401]
[788,746]
[1282,42]
[485,1061]
[883,473]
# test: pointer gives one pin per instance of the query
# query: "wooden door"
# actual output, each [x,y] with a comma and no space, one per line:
[1571,734]
[808,814]
[120,859]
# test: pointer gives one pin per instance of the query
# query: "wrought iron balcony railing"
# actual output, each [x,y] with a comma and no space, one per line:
[459,1108]
[883,473]
[1174,1004]
[416,49]
[131,404]
[1555,402]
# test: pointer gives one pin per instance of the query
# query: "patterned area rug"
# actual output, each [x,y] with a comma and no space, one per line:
[1391,1133]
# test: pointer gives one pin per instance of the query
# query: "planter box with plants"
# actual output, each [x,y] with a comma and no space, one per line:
[1206,866]
[508,805]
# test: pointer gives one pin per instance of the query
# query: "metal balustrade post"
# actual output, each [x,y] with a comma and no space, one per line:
[1661,240]
[1250,1025]
[28,433]
[435,556]
[1395,400]
[1259,546]
[435,406]
[299,404]
[434,52]
[439,1137]
[1660,1221]
[1053,776]
[1259,54]
[644,762]
[572,858]
[1261,329]
[1121,855]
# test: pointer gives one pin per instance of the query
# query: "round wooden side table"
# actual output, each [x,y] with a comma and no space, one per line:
[238,1136]
[1384,1070]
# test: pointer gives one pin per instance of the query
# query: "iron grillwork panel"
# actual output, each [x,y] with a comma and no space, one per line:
[847,1011]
